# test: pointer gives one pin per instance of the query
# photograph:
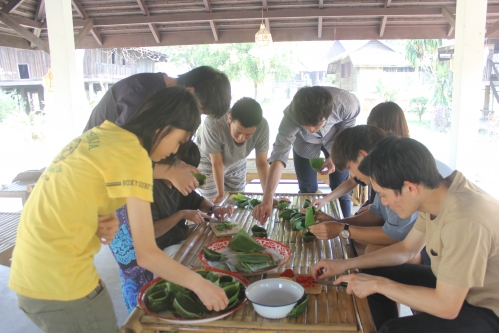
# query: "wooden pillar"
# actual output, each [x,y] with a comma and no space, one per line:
[63,113]
[467,76]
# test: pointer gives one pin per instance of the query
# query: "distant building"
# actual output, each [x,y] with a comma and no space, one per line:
[24,70]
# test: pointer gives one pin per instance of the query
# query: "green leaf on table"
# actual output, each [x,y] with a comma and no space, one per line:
[240,197]
[286,214]
[308,237]
[283,204]
[258,231]
[300,307]
[254,202]
[253,258]
[243,242]
[188,308]
[212,255]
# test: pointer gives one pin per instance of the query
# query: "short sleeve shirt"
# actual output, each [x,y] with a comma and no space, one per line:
[56,240]
[394,226]
[215,138]
[462,241]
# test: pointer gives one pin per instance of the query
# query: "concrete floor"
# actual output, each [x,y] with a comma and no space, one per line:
[12,320]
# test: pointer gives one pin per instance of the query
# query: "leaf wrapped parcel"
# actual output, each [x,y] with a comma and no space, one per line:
[188,308]
[300,307]
[317,163]
[310,212]
[212,255]
[307,203]
[308,237]
[283,204]
[201,179]
[259,231]
[243,242]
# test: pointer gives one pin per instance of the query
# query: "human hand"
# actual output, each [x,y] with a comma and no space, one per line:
[321,217]
[361,285]
[363,209]
[326,230]
[195,216]
[326,268]
[330,167]
[107,226]
[218,199]
[262,212]
[318,203]
[212,296]
[181,178]
[221,212]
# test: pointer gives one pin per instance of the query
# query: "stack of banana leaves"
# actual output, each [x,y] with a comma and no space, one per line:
[300,221]
[242,201]
[168,296]
[283,204]
[250,256]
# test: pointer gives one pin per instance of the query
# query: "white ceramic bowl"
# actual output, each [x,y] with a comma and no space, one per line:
[274,298]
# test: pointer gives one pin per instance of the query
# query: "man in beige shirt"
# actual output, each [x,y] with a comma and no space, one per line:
[458,222]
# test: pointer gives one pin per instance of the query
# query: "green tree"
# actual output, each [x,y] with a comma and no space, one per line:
[417,51]
[418,105]
[245,60]
[8,104]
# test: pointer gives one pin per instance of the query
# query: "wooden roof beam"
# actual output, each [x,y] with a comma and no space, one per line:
[492,30]
[152,27]
[11,5]
[320,5]
[214,31]
[12,23]
[320,26]
[268,24]
[39,16]
[208,9]
[83,33]
[83,14]
[450,30]
[448,16]
[264,4]
[382,26]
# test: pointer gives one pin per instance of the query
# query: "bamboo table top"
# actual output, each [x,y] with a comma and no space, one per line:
[330,311]
[8,233]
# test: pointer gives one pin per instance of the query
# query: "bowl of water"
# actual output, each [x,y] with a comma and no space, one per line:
[274,298]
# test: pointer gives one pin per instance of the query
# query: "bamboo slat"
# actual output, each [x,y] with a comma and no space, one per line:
[330,311]
[8,234]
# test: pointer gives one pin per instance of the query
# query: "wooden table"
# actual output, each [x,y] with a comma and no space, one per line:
[8,232]
[331,311]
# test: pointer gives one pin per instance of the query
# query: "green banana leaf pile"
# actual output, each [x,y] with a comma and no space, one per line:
[243,242]
[300,221]
[167,296]
[201,179]
[242,201]
[283,204]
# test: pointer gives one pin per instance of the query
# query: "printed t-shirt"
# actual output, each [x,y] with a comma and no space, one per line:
[462,241]
[56,240]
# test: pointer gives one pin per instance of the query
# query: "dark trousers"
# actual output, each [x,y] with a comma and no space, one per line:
[308,180]
[471,319]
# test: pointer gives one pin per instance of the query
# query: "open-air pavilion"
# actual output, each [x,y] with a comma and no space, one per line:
[58,27]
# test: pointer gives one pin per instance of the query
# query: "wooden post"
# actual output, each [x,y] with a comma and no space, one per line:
[467,74]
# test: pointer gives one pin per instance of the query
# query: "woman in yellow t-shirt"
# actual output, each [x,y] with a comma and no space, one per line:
[52,270]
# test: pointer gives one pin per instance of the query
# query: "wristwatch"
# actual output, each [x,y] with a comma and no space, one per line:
[345,233]
[211,210]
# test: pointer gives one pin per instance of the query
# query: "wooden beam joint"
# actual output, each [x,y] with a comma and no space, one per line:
[214,31]
[14,25]
[320,27]
[382,26]
[11,6]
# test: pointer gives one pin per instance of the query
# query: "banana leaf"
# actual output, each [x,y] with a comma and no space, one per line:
[307,203]
[283,204]
[310,211]
[316,163]
[188,308]
[226,279]
[161,285]
[299,225]
[242,203]
[226,266]
[300,307]
[232,290]
[253,258]
[308,237]
[202,272]
[259,231]
[174,288]
[158,301]
[240,197]
[286,214]
[254,202]
[243,242]
[214,278]
[201,179]
[212,255]
[250,268]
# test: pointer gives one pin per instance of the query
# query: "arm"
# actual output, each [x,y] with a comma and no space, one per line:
[263,211]
[393,255]
[370,235]
[179,175]
[218,172]
[150,257]
[444,301]
[163,226]
[262,168]
[342,189]
[365,219]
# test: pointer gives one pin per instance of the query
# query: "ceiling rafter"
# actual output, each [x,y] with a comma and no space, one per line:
[83,33]
[214,30]
[383,22]
[11,5]
[39,16]
[451,20]
[12,23]
[264,4]
[208,9]
[152,26]
[492,30]
[268,24]
[83,14]
[320,27]
[320,5]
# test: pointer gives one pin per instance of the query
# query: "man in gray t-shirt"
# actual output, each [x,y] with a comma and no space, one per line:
[225,144]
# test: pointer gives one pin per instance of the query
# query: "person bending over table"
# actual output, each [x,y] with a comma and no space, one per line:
[459,223]
[310,124]
[170,210]
[387,116]
[225,144]
[52,269]
[378,226]
[210,86]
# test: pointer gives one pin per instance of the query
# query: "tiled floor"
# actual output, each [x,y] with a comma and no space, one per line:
[12,320]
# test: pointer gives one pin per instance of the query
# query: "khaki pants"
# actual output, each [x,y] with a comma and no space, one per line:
[92,313]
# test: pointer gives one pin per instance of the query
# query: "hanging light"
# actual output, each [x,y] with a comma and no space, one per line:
[263,36]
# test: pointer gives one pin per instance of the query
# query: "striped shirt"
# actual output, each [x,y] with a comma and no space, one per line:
[308,145]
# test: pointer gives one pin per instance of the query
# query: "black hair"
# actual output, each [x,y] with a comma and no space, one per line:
[389,117]
[166,109]
[192,155]
[312,105]
[211,87]
[350,141]
[395,160]
[247,111]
